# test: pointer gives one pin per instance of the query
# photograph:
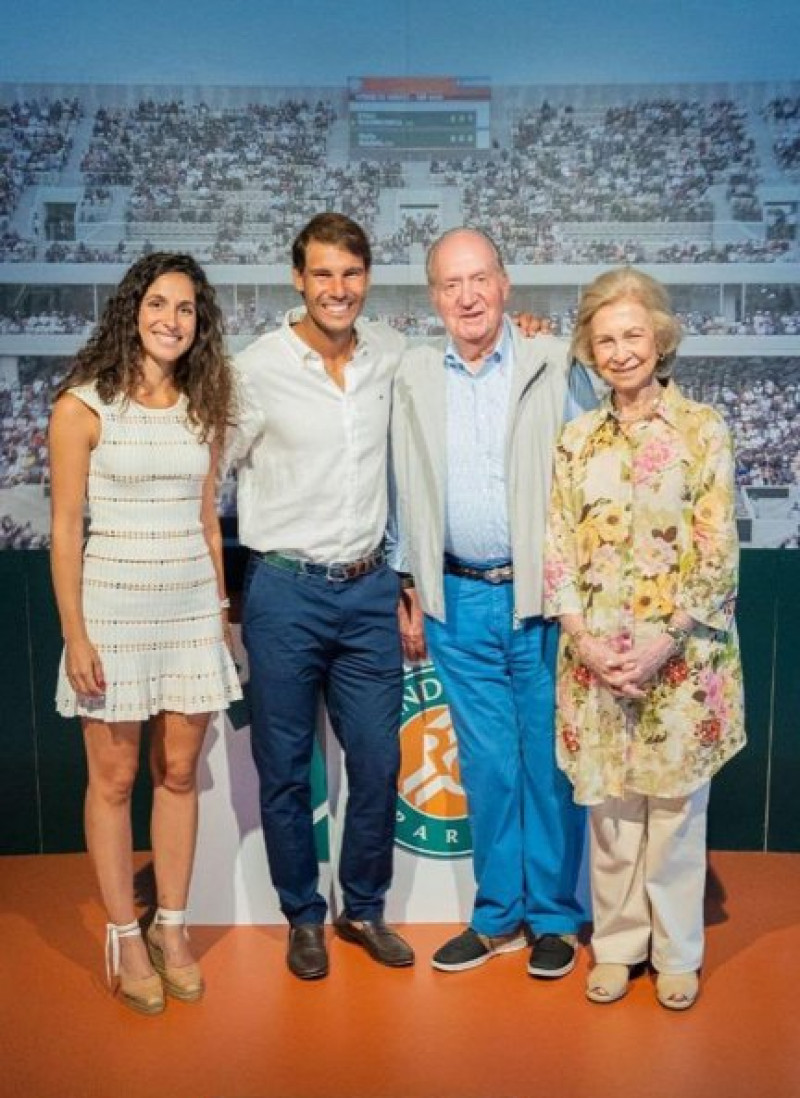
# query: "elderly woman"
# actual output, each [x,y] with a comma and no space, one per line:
[641,570]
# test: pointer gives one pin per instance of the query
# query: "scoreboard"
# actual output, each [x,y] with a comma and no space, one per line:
[413,129]
[403,114]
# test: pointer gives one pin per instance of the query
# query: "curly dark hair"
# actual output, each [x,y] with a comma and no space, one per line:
[112,358]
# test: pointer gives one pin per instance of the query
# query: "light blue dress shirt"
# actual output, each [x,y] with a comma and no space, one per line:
[476,508]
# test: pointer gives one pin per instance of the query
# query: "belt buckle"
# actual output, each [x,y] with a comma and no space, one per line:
[340,573]
[499,574]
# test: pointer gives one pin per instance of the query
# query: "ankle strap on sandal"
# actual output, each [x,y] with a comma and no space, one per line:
[115,931]
[166,916]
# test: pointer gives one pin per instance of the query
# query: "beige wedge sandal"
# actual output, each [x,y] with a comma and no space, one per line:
[184,982]
[145,994]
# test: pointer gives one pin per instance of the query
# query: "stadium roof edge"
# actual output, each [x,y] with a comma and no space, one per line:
[237,94]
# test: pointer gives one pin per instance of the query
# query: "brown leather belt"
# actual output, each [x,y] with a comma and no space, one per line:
[337,572]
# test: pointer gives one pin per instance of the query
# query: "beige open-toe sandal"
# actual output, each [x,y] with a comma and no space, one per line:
[607,983]
[677,990]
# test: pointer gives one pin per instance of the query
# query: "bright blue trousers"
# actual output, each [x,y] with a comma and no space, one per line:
[527,833]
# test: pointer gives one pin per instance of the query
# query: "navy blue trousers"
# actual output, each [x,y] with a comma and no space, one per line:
[309,638]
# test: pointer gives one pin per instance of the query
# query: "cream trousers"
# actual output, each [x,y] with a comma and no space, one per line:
[648,874]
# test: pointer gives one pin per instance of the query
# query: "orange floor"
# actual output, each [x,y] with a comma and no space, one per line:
[369,1032]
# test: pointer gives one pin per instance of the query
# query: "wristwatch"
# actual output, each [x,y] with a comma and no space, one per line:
[678,636]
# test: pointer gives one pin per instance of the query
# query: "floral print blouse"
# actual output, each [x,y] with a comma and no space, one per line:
[642,521]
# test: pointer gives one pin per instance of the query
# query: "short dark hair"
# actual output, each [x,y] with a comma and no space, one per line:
[331,228]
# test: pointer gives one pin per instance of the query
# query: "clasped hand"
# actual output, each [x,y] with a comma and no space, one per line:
[625,674]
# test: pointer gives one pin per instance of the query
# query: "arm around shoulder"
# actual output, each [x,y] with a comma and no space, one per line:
[247,415]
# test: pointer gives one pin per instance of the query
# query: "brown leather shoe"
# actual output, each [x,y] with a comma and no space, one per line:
[381,942]
[307,955]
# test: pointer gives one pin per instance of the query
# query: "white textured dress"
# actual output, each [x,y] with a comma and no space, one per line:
[150,598]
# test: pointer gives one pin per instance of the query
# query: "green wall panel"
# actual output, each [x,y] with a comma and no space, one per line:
[784,793]
[43,773]
[62,770]
[19,799]
[739,792]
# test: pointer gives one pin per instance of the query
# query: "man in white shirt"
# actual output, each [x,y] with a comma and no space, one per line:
[320,600]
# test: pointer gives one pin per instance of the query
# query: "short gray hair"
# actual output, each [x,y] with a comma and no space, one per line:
[430,259]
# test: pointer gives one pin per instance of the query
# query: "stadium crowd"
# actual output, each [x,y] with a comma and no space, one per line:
[46,323]
[20,535]
[760,399]
[15,249]
[254,172]
[649,161]
[762,322]
[24,412]
[784,114]
[397,248]
[232,185]
[159,147]
[35,140]
[783,108]
[248,320]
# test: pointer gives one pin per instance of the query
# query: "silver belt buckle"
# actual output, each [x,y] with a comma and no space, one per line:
[501,574]
[339,573]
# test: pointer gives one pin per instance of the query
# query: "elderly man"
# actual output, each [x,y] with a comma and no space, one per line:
[474,429]
[320,599]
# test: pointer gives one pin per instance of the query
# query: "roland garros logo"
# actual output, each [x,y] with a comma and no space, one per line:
[431,806]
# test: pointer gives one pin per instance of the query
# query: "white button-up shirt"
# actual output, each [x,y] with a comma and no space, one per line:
[311,457]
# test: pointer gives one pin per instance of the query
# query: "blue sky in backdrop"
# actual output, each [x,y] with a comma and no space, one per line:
[307,42]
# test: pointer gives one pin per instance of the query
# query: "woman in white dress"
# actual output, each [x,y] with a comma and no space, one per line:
[136,431]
